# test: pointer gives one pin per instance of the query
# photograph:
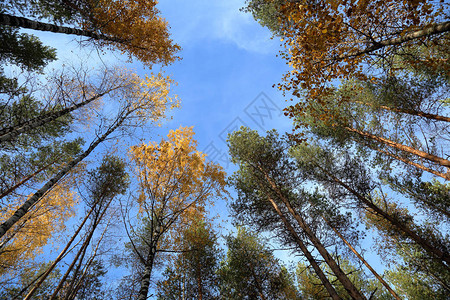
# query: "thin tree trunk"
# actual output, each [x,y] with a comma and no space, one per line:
[406,230]
[257,281]
[82,253]
[7,134]
[326,283]
[145,281]
[341,276]
[419,166]
[72,294]
[58,259]
[424,32]
[199,285]
[417,113]
[38,195]
[425,155]
[25,179]
[14,21]
[386,285]
[411,112]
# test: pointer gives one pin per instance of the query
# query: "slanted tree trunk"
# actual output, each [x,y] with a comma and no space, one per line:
[418,166]
[409,36]
[341,276]
[80,255]
[256,278]
[422,154]
[384,283]
[433,251]
[417,113]
[58,259]
[6,134]
[24,180]
[14,21]
[39,194]
[326,283]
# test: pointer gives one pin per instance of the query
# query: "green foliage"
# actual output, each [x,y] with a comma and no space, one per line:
[28,276]
[108,180]
[24,109]
[267,13]
[24,50]
[250,271]
[311,288]
[92,287]
[193,271]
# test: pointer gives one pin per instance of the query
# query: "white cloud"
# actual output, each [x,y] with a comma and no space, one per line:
[197,20]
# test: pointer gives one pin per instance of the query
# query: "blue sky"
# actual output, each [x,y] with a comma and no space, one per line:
[229,64]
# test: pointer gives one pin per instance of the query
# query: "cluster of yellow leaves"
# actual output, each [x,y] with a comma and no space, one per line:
[150,97]
[174,175]
[137,26]
[324,39]
[30,235]
[332,40]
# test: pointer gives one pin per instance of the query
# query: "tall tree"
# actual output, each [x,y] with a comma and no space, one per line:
[26,238]
[132,27]
[328,40]
[192,273]
[346,178]
[146,102]
[265,160]
[250,270]
[174,179]
[102,191]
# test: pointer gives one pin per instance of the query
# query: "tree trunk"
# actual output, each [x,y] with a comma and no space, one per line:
[417,113]
[330,289]
[418,166]
[98,217]
[255,277]
[73,290]
[341,276]
[81,252]
[58,259]
[430,157]
[38,195]
[411,112]
[409,36]
[14,21]
[199,285]
[24,180]
[7,134]
[386,285]
[406,230]
[145,281]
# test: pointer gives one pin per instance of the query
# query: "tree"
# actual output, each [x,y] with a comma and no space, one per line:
[27,277]
[192,273]
[174,180]
[250,271]
[101,193]
[146,102]
[132,27]
[328,40]
[67,95]
[266,162]
[431,275]
[45,219]
[346,178]
[394,137]
[24,51]
[311,288]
